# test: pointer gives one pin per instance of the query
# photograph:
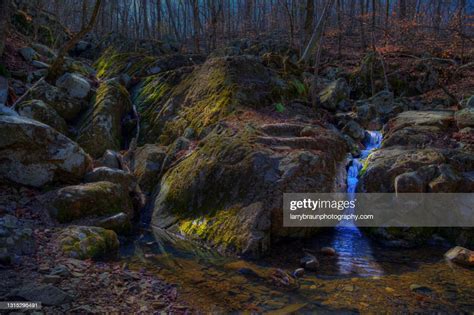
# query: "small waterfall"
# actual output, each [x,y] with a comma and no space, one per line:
[354,250]
[373,142]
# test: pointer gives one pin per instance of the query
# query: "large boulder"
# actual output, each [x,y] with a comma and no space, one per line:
[42,112]
[87,200]
[333,94]
[102,127]
[75,85]
[85,242]
[67,107]
[116,176]
[32,153]
[465,118]
[383,166]
[229,191]
[146,163]
[171,103]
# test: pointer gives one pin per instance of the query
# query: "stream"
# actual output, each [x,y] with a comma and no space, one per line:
[362,276]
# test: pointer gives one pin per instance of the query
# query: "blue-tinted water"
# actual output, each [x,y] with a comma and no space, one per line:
[355,253]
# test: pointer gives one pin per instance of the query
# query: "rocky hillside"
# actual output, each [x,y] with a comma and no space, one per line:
[205,145]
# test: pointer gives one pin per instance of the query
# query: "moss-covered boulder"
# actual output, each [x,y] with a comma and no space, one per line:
[102,127]
[172,102]
[32,153]
[229,191]
[124,179]
[87,200]
[86,242]
[465,118]
[42,112]
[67,107]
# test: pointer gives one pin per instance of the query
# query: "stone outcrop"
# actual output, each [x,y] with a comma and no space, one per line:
[35,154]
[102,127]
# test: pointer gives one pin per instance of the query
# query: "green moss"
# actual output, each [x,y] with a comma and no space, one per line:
[112,63]
[219,229]
[89,242]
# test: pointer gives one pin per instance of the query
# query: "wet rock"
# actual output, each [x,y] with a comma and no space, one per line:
[47,294]
[354,130]
[67,107]
[34,154]
[146,164]
[102,128]
[119,223]
[111,159]
[383,166]
[336,92]
[7,111]
[298,273]
[465,118]
[124,179]
[84,242]
[409,183]
[328,251]
[460,255]
[282,279]
[91,199]
[28,53]
[447,181]
[75,84]
[312,265]
[42,112]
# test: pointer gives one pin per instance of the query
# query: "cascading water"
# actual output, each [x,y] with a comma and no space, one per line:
[354,250]
[374,141]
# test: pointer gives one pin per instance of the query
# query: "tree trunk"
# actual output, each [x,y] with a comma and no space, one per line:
[4,19]
[56,68]
[196,25]
[317,33]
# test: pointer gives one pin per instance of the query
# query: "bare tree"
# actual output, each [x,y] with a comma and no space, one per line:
[317,33]
[56,67]
[4,18]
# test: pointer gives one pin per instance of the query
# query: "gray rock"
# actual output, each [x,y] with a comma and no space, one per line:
[44,50]
[146,164]
[39,64]
[460,255]
[119,223]
[334,93]
[35,154]
[298,273]
[111,159]
[75,84]
[124,179]
[354,130]
[42,112]
[60,270]
[7,111]
[48,295]
[465,118]
[28,53]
